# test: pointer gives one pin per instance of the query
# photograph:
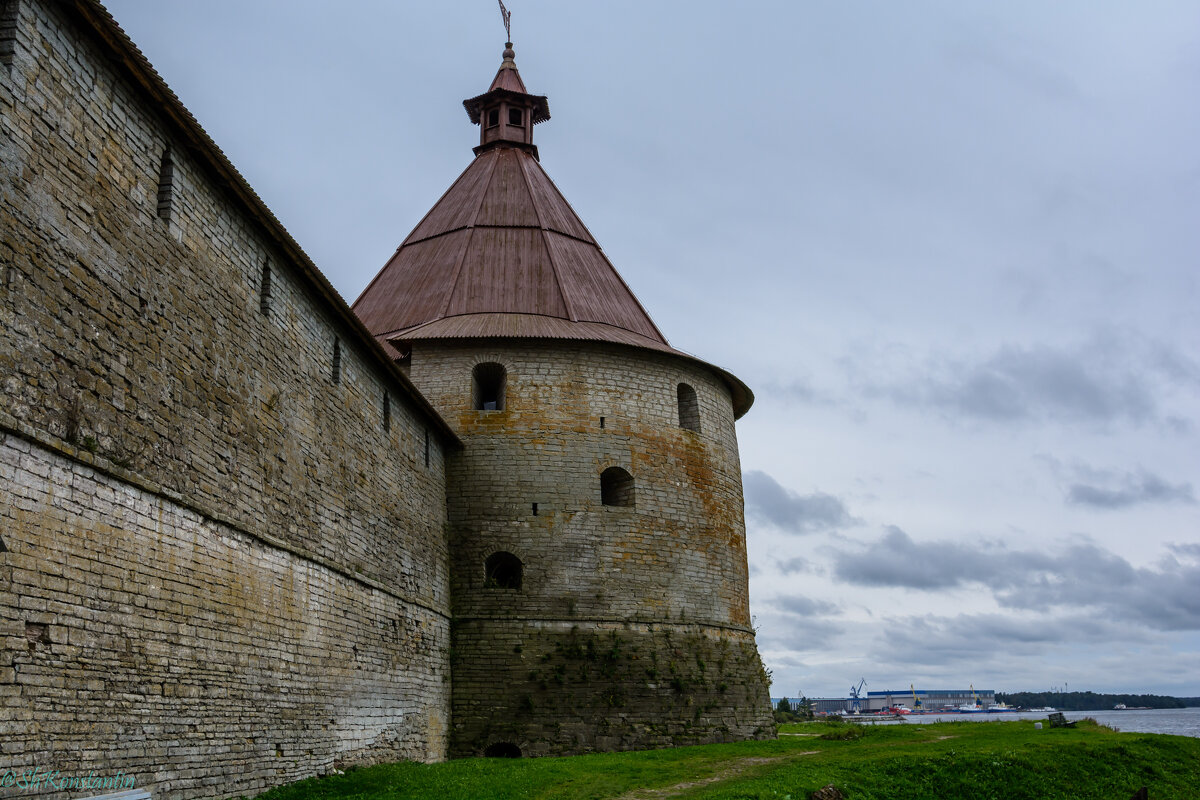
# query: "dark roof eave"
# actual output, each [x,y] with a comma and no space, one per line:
[127,55]
[541,104]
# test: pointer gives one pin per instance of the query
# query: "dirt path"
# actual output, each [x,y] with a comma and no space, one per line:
[733,770]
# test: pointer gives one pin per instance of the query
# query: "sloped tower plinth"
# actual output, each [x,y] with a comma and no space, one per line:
[597,541]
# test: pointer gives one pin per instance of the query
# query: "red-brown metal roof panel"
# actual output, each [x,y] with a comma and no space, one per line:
[557,214]
[593,288]
[507,270]
[508,78]
[506,200]
[415,285]
[457,207]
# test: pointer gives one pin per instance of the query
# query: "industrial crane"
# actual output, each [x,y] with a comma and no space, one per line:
[916,700]
[856,696]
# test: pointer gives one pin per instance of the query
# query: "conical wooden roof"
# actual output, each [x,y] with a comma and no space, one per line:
[503,254]
[502,240]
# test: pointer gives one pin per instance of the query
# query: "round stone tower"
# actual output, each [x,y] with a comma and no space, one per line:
[597,539]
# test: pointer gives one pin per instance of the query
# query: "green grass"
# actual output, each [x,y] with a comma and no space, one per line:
[945,761]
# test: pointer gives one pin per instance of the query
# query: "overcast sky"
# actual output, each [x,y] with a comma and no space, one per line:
[952,246]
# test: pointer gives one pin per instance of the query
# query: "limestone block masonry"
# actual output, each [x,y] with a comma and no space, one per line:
[223,560]
[630,626]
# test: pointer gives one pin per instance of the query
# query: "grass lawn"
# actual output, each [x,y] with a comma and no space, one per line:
[944,761]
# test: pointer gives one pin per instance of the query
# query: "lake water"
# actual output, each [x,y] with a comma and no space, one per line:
[1179,721]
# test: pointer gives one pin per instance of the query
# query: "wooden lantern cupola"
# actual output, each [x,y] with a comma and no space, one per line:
[506,113]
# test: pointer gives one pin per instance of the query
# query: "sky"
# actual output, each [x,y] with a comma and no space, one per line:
[951,246]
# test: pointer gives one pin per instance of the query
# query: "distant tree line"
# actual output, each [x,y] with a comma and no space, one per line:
[1091,701]
[798,711]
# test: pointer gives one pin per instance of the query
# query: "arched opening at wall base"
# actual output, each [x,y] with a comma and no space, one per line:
[502,750]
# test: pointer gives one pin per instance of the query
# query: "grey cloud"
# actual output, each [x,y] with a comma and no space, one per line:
[1186,550]
[801,633]
[1081,576]
[768,501]
[1019,383]
[1132,490]
[972,638]
[794,565]
[1103,381]
[804,606]
[896,560]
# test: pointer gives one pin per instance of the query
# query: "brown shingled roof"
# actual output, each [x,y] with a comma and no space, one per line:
[503,255]
[501,240]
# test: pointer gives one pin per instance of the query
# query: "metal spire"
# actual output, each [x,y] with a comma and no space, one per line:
[507,15]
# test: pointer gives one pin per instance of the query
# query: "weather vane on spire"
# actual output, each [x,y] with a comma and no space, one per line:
[507,15]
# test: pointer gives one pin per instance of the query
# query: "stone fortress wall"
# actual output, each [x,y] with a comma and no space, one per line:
[228,553]
[630,626]
[223,561]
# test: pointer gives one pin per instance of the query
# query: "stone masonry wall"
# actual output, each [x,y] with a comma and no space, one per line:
[142,348]
[665,579]
[142,637]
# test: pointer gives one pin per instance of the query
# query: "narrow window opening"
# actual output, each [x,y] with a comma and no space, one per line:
[3,546]
[166,185]
[264,289]
[387,413]
[535,509]
[502,750]
[427,447]
[689,408]
[337,361]
[602,422]
[503,571]
[487,387]
[616,487]
[493,117]
[8,31]
[516,117]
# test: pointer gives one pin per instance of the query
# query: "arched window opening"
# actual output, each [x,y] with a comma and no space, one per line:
[616,487]
[504,571]
[502,750]
[516,117]
[493,117]
[487,387]
[689,408]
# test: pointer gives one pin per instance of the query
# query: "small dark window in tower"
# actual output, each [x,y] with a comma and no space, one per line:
[516,116]
[535,509]
[3,546]
[8,31]
[487,387]
[616,487]
[166,185]
[337,361]
[387,413]
[689,408]
[264,289]
[493,117]
[503,571]
[602,422]
[502,750]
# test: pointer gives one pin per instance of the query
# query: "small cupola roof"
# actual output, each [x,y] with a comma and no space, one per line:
[507,85]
